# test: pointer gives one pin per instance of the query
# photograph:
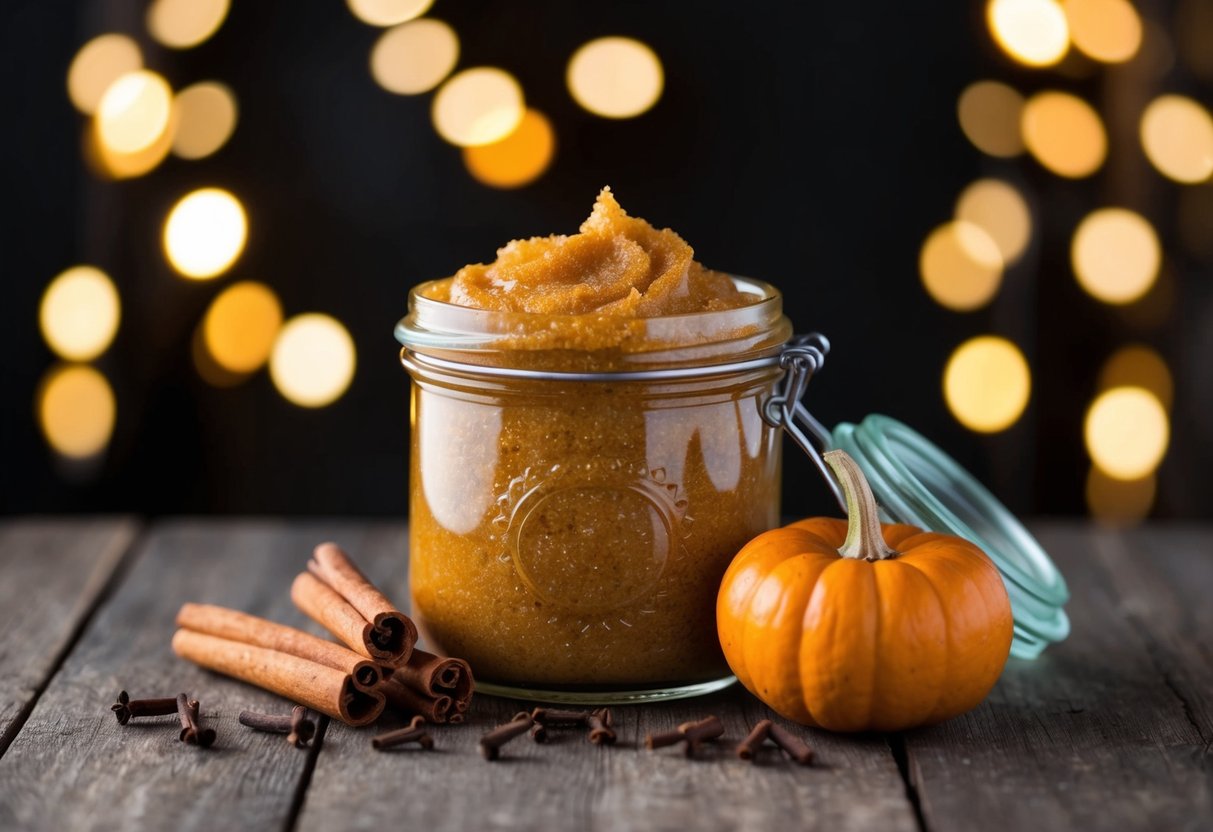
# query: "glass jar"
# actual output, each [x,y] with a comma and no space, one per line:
[571,513]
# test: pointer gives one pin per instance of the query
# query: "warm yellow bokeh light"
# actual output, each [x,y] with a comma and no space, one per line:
[1139,366]
[1064,133]
[1119,502]
[999,209]
[414,57]
[1106,30]
[519,158]
[478,106]
[205,233]
[79,313]
[1177,135]
[206,117]
[989,114]
[1033,32]
[313,360]
[615,77]
[960,266]
[388,12]
[182,24]
[76,410]
[1116,255]
[241,325]
[1127,432]
[99,63]
[987,384]
[109,164]
[134,112]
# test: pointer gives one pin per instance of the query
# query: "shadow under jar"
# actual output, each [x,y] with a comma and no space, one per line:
[572,511]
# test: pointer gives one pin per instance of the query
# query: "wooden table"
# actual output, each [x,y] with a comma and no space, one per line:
[1110,730]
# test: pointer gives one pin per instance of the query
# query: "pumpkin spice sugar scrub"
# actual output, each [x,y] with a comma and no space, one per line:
[588,453]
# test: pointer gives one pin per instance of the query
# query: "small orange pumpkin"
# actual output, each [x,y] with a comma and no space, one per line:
[851,626]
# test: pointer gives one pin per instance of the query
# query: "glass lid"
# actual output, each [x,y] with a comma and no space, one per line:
[916,482]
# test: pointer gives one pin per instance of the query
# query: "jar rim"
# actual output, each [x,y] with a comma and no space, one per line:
[432,324]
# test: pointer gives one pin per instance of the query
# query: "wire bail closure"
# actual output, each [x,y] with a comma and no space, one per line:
[801,357]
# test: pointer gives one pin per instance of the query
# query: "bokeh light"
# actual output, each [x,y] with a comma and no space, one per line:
[1116,255]
[241,325]
[205,233]
[1064,133]
[79,313]
[313,360]
[388,12]
[1137,365]
[615,77]
[987,384]
[478,106]
[1106,30]
[961,266]
[519,158]
[99,63]
[999,209]
[1127,432]
[181,24]
[1177,135]
[1033,32]
[989,114]
[134,112]
[1116,502]
[206,118]
[76,410]
[414,57]
[110,164]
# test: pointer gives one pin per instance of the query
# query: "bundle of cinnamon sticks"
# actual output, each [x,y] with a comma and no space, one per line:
[377,665]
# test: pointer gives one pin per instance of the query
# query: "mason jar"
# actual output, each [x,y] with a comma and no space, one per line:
[572,511]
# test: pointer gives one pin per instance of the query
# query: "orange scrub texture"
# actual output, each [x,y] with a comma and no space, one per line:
[573,534]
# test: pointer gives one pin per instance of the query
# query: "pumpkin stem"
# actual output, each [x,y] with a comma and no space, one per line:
[864,536]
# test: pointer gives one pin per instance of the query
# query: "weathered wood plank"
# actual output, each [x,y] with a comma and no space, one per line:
[570,784]
[1090,736]
[73,767]
[54,571]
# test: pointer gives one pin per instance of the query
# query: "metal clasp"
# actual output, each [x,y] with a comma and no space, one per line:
[801,357]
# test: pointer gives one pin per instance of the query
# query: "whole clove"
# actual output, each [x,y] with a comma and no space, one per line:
[299,727]
[602,727]
[750,745]
[415,732]
[191,732]
[693,734]
[792,745]
[490,743]
[564,718]
[126,709]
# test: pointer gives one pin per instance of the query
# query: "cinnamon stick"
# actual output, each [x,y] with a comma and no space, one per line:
[792,745]
[318,686]
[338,596]
[436,687]
[234,625]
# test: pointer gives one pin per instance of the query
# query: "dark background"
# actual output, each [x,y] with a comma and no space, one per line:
[810,145]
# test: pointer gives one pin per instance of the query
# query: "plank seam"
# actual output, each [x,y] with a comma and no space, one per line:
[305,777]
[897,745]
[121,568]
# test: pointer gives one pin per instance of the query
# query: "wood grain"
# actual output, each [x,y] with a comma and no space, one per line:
[54,573]
[73,767]
[1091,736]
[570,784]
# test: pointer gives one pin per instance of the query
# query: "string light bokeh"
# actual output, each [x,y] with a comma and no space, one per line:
[1116,256]
[1045,116]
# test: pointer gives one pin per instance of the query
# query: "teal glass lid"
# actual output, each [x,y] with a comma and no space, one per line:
[916,482]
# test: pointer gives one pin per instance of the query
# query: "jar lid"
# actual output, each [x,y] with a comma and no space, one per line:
[916,482]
